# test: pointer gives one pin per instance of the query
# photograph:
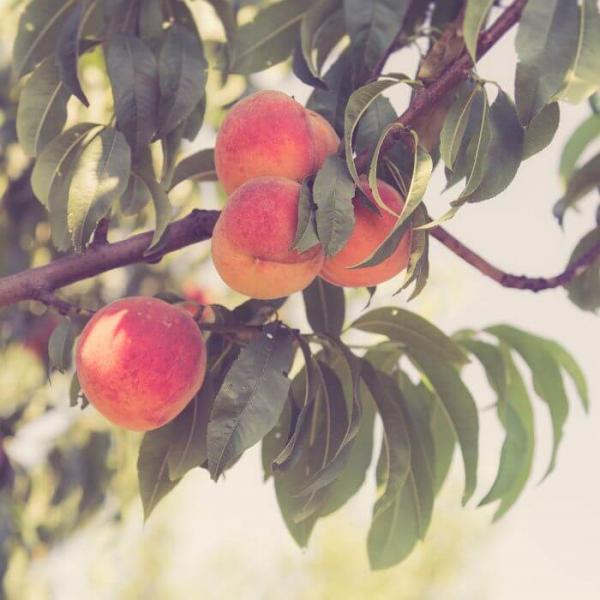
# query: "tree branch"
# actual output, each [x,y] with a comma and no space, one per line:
[34,284]
[519,282]
[456,73]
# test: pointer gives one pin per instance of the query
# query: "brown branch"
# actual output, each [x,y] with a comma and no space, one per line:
[33,284]
[456,73]
[519,282]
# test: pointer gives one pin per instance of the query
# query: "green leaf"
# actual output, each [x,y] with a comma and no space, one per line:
[418,263]
[153,468]
[455,124]
[101,176]
[38,30]
[421,173]
[42,111]
[358,103]
[540,132]
[133,77]
[269,38]
[325,307]
[502,156]
[411,330]
[372,26]
[52,174]
[193,124]
[306,231]
[188,447]
[584,290]
[402,513]
[475,15]
[547,378]
[584,77]
[327,37]
[68,47]
[331,102]
[582,182]
[251,398]
[135,197]
[182,76]
[477,148]
[547,41]
[378,116]
[582,137]
[354,474]
[333,192]
[150,22]
[162,208]
[199,166]
[311,24]
[516,415]
[60,346]
[444,439]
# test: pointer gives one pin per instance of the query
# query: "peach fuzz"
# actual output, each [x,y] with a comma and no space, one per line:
[140,361]
[269,133]
[370,230]
[252,241]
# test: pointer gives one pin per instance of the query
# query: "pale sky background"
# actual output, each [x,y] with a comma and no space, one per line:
[548,546]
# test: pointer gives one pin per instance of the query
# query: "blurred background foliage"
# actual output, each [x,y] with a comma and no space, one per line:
[68,486]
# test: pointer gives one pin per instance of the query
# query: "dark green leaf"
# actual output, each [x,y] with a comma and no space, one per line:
[42,111]
[584,290]
[150,22]
[251,398]
[540,132]
[60,346]
[372,26]
[39,27]
[546,43]
[327,37]
[162,207]
[67,48]
[306,232]
[582,182]
[269,38]
[418,263]
[503,153]
[182,76]
[200,166]
[101,176]
[188,447]
[333,192]
[153,468]
[134,80]
[325,307]
[377,117]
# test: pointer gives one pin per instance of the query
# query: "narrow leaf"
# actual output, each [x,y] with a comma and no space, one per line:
[540,132]
[60,346]
[325,307]
[475,14]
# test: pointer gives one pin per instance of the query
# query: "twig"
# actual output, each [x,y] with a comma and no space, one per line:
[519,282]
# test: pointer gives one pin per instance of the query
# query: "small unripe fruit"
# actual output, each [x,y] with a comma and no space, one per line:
[370,230]
[140,361]
[253,238]
[269,133]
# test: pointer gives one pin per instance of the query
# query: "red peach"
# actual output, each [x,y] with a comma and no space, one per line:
[269,133]
[370,230]
[252,241]
[140,361]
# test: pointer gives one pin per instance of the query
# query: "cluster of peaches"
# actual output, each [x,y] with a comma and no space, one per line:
[266,146]
[140,361]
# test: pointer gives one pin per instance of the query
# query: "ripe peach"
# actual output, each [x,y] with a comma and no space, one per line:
[252,240]
[370,229]
[269,133]
[140,361]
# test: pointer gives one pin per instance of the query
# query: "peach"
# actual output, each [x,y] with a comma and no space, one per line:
[370,229]
[269,133]
[140,361]
[252,240]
